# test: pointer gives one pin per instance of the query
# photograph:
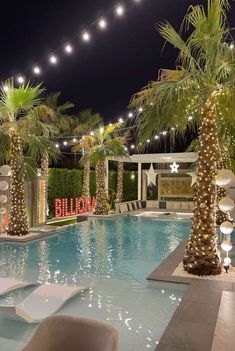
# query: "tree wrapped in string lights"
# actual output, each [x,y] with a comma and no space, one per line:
[202,88]
[22,145]
[106,144]
[84,124]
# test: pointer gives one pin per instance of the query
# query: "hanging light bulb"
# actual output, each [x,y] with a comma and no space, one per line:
[231,46]
[130,114]
[68,49]
[148,141]
[57,146]
[156,137]
[65,143]
[53,59]
[102,23]
[86,36]
[120,10]
[74,140]
[102,130]
[132,146]
[140,109]
[5,88]
[120,121]
[164,133]
[36,70]
[20,79]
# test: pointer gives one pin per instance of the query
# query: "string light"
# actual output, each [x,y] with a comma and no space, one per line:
[53,59]
[156,137]
[141,109]
[65,143]
[130,114]
[132,146]
[74,140]
[20,79]
[36,70]
[120,121]
[102,23]
[5,88]
[57,146]
[68,49]
[231,46]
[92,133]
[120,10]
[86,36]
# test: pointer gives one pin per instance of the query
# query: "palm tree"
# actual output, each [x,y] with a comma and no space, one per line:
[105,145]
[21,133]
[84,145]
[123,137]
[203,84]
[84,124]
[56,115]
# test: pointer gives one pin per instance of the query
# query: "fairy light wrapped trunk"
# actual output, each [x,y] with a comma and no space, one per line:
[86,178]
[201,252]
[101,207]
[120,181]
[18,223]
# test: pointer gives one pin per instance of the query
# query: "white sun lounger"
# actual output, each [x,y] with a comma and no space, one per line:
[42,302]
[10,284]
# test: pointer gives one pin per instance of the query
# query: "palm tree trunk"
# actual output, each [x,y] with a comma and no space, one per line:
[86,179]
[201,252]
[45,173]
[101,199]
[120,182]
[18,223]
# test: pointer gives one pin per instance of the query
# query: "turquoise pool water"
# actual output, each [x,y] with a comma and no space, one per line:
[113,258]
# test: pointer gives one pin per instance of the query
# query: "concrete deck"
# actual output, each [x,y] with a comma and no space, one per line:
[197,323]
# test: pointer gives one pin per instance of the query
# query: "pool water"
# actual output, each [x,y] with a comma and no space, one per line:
[113,258]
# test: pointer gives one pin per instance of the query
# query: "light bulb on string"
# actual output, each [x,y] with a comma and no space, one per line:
[36,70]
[57,146]
[132,146]
[53,59]
[5,88]
[65,143]
[120,10]
[156,137]
[20,79]
[68,49]
[86,36]
[102,23]
[130,114]
[74,140]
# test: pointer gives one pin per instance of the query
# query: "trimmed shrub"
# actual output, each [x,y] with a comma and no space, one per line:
[65,183]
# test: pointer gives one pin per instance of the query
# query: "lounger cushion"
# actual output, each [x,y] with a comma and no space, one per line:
[66,333]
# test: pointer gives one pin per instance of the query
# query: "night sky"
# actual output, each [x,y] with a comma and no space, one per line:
[106,72]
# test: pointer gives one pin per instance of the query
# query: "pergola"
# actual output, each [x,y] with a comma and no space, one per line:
[166,158]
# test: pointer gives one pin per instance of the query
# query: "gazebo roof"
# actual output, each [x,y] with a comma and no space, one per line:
[182,157]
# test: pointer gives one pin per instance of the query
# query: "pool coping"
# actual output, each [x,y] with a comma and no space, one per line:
[193,325]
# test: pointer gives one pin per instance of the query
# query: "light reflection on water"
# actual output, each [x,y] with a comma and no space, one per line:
[113,258]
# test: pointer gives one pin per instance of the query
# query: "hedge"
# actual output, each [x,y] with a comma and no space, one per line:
[65,183]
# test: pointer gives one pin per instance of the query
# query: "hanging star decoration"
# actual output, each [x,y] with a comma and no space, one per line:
[194,178]
[174,167]
[151,174]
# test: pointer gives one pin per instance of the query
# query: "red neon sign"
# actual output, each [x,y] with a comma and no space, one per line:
[72,207]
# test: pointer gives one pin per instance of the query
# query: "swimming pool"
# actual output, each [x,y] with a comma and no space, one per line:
[113,257]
